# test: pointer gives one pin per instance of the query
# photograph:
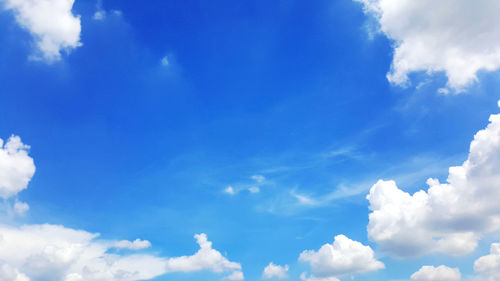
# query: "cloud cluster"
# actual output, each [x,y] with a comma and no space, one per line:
[343,257]
[275,271]
[440,273]
[488,267]
[459,37]
[449,217]
[16,167]
[53,252]
[51,23]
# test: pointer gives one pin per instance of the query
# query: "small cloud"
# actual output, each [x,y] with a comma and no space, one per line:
[443,91]
[254,189]
[229,190]
[237,275]
[137,244]
[258,178]
[164,61]
[99,15]
[20,208]
[275,271]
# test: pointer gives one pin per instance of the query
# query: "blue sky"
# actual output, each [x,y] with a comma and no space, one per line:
[139,126]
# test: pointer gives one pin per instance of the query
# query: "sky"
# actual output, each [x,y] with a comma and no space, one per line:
[249,140]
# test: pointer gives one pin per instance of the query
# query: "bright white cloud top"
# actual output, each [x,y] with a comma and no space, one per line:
[343,257]
[51,23]
[457,37]
[16,167]
[488,267]
[449,217]
[440,273]
[275,271]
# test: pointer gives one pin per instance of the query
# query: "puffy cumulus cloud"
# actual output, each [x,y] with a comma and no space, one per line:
[51,252]
[205,259]
[137,244]
[16,167]
[440,273]
[488,267]
[51,23]
[449,217]
[275,271]
[459,37]
[343,257]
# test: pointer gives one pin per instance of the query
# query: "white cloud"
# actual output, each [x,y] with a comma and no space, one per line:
[304,277]
[229,190]
[16,167]
[254,189]
[137,244]
[440,273]
[237,275]
[51,23]
[343,257]
[488,267]
[99,15]
[205,259]
[459,37]
[164,61]
[20,208]
[275,271]
[258,178]
[51,252]
[449,217]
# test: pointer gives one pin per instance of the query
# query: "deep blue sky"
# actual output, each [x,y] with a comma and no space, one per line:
[294,91]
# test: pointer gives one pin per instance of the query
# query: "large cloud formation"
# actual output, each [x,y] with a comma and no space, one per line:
[51,23]
[449,217]
[459,37]
[343,257]
[54,252]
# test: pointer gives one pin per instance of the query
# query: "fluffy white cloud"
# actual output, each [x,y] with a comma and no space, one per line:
[459,37]
[488,267]
[205,259]
[275,271]
[16,167]
[51,23]
[137,244]
[440,273]
[448,217]
[51,252]
[343,257]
